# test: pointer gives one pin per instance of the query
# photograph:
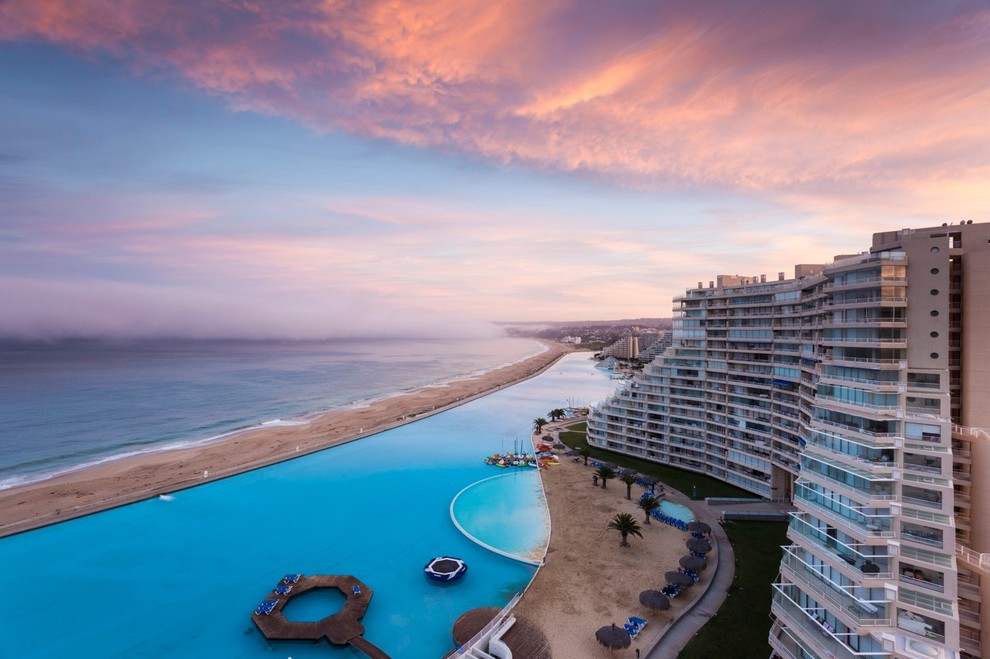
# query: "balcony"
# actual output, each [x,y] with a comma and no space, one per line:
[854,555]
[858,612]
[812,634]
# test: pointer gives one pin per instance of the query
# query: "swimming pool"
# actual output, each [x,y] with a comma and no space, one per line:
[180,577]
[676,510]
[506,513]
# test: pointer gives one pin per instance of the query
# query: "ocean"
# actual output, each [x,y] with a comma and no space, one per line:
[69,404]
[179,575]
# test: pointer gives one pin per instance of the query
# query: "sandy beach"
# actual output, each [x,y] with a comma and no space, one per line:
[131,479]
[588,580]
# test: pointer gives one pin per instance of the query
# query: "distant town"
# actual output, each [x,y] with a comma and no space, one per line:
[628,337]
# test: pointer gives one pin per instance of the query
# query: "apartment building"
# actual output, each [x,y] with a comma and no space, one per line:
[860,391]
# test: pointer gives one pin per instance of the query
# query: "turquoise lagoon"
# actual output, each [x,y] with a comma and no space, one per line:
[179,577]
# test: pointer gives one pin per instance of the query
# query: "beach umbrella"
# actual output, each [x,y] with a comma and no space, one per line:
[693,563]
[654,600]
[649,480]
[613,637]
[559,445]
[698,527]
[610,465]
[623,472]
[699,545]
[678,579]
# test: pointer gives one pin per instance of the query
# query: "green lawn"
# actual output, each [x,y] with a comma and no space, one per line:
[742,624]
[576,437]
[745,616]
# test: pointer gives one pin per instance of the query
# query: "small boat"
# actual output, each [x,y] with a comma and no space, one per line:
[445,568]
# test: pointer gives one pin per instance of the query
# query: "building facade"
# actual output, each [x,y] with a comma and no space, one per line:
[859,391]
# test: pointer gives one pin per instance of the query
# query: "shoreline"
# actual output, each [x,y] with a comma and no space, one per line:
[134,478]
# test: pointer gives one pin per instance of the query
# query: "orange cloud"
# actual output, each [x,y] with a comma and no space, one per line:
[769,96]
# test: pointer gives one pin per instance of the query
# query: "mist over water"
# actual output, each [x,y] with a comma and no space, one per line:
[66,404]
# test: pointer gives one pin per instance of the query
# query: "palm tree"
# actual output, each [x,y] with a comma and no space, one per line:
[556,413]
[629,478]
[585,453]
[538,424]
[649,504]
[626,526]
[605,473]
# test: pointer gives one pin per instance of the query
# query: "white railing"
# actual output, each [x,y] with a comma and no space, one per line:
[486,632]
[971,558]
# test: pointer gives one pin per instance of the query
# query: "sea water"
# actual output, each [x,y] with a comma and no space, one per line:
[180,577]
[72,403]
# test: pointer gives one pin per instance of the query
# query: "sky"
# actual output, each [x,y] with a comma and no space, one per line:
[307,169]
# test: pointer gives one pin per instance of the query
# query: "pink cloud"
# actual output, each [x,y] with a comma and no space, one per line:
[765,96]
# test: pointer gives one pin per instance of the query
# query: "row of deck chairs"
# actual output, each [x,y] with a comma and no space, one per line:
[671,590]
[667,519]
[634,626]
[266,607]
[283,588]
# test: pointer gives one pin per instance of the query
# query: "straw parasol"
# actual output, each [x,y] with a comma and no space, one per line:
[693,563]
[699,545]
[678,579]
[654,600]
[613,637]
[698,527]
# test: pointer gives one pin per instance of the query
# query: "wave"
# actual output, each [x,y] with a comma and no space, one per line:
[39,476]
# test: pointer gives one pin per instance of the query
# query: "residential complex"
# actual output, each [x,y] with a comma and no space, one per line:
[858,390]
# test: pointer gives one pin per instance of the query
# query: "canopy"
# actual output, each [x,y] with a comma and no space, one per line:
[613,637]
[654,600]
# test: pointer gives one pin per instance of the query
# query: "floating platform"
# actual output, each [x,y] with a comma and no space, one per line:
[341,628]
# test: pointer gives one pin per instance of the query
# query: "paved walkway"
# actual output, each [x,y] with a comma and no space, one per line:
[680,632]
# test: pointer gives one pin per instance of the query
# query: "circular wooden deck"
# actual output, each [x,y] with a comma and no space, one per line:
[341,628]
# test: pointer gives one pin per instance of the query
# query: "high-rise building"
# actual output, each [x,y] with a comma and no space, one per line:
[859,391]
[625,348]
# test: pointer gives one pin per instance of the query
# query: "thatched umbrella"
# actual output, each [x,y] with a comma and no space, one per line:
[654,600]
[610,465]
[613,637]
[624,471]
[698,527]
[678,579]
[699,545]
[693,563]
[559,446]
[649,480]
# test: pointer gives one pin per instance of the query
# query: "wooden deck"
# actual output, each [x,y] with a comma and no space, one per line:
[524,638]
[341,628]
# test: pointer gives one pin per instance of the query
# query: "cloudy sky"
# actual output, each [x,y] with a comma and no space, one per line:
[303,168]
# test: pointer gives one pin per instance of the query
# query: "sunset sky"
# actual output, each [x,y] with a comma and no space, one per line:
[310,169]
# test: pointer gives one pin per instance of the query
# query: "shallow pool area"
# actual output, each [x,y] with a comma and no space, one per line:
[180,577]
[506,513]
[676,510]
